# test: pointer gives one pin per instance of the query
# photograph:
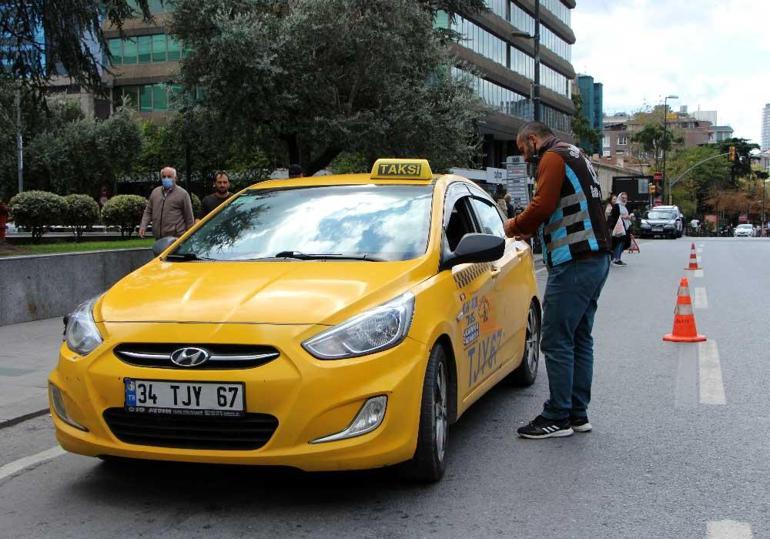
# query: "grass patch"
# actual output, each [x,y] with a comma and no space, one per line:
[6,249]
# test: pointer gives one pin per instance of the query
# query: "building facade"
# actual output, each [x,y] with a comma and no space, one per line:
[766,127]
[592,98]
[618,131]
[504,68]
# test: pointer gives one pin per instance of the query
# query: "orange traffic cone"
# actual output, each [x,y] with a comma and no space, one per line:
[693,259]
[684,320]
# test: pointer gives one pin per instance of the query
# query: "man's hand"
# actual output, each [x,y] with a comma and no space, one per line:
[141,232]
[523,237]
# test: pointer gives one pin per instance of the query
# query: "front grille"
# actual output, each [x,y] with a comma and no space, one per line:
[250,431]
[222,356]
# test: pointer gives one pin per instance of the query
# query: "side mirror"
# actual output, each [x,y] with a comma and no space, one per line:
[476,248]
[162,244]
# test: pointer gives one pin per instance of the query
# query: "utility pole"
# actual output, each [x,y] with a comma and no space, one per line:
[19,139]
[665,139]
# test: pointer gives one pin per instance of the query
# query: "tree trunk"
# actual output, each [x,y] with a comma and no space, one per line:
[322,161]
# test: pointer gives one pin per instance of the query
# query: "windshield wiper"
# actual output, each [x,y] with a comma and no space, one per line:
[326,256]
[186,257]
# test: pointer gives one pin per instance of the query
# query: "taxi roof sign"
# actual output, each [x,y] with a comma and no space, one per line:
[402,169]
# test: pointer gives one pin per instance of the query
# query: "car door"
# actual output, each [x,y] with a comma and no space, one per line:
[508,298]
[476,339]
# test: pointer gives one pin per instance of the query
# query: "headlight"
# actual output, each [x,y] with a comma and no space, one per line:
[378,329]
[81,333]
[669,225]
[645,224]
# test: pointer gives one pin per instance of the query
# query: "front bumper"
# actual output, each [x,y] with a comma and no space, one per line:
[310,398]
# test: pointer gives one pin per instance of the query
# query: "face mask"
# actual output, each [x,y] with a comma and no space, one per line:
[167,183]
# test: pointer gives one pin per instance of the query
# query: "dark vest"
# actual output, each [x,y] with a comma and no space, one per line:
[578,226]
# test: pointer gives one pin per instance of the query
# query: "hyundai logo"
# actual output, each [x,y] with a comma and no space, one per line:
[189,357]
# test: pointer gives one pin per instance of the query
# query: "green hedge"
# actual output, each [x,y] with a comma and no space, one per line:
[82,211]
[38,210]
[124,211]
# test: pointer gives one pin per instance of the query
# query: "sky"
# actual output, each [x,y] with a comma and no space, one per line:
[714,55]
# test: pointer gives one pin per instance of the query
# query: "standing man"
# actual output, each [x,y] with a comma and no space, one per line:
[220,194]
[567,209]
[295,171]
[169,208]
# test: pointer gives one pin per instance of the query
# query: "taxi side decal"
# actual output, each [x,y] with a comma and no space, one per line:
[466,276]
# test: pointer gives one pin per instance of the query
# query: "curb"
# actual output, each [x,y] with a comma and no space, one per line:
[16,420]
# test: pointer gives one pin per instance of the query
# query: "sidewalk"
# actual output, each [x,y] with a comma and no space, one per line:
[28,352]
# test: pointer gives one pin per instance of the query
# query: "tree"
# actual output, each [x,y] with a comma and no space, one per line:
[83,155]
[654,139]
[308,79]
[700,183]
[589,139]
[742,165]
[40,37]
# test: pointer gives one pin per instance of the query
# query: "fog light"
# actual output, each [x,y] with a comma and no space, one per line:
[57,401]
[369,418]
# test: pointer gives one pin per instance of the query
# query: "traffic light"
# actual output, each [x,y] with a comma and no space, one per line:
[731,153]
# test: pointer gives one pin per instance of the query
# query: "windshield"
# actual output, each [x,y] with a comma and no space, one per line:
[663,215]
[745,226]
[368,222]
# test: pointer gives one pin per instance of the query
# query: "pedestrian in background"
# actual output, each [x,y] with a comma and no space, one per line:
[295,171]
[568,206]
[619,222]
[169,208]
[220,194]
[511,211]
[500,193]
[610,204]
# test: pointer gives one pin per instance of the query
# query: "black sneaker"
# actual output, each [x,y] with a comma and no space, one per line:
[541,427]
[580,424]
[619,263]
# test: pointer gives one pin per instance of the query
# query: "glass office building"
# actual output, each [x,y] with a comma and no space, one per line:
[501,67]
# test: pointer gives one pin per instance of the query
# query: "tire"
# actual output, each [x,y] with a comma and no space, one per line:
[526,373]
[429,461]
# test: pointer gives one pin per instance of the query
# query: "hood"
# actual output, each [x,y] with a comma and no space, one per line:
[292,292]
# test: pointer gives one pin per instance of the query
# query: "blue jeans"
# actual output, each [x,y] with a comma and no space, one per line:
[618,246]
[569,305]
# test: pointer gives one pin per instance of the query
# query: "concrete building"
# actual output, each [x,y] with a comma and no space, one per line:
[619,129]
[766,127]
[504,68]
[592,96]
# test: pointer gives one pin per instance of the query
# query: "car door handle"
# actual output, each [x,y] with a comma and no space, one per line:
[494,271]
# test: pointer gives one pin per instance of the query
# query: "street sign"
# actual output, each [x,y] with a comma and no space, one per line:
[517,181]
[658,176]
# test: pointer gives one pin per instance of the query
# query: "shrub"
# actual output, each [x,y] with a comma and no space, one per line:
[37,210]
[196,204]
[124,211]
[82,211]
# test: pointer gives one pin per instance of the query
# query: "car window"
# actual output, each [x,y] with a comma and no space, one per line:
[661,215]
[460,222]
[389,222]
[488,217]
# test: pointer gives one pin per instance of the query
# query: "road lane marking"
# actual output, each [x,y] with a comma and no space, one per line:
[712,390]
[728,529]
[697,273]
[699,299]
[686,391]
[12,468]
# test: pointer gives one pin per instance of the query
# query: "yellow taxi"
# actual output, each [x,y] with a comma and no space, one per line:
[325,323]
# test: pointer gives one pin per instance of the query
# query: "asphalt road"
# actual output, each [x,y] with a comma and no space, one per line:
[680,444]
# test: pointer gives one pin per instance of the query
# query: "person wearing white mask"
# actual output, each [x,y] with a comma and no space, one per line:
[169,208]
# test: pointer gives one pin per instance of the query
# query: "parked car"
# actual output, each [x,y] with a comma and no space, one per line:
[662,221]
[744,231]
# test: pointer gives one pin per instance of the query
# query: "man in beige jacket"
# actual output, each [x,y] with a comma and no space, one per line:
[169,208]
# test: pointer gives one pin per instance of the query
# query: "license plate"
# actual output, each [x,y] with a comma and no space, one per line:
[184,398]
[657,230]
